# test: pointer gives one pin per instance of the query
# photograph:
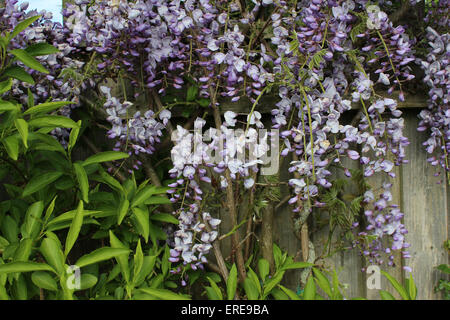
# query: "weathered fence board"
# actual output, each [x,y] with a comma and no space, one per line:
[425,204]
[426,207]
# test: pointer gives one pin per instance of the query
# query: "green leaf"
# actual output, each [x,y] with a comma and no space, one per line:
[19,73]
[22,26]
[143,222]
[211,293]
[40,181]
[252,275]
[291,294]
[251,290]
[8,106]
[69,215]
[28,60]
[272,283]
[104,157]
[310,290]
[51,250]
[82,181]
[232,283]
[411,287]
[277,255]
[32,220]
[99,255]
[386,295]
[191,93]
[263,268]
[20,288]
[138,261]
[52,122]
[157,200]
[107,179]
[122,210]
[74,136]
[146,270]
[323,282]
[30,99]
[217,293]
[143,195]
[122,260]
[11,144]
[75,228]
[44,280]
[22,127]
[41,49]
[278,294]
[21,266]
[203,102]
[165,264]
[396,285]
[46,142]
[164,217]
[46,107]
[23,251]
[5,86]
[9,229]
[297,265]
[164,294]
[337,295]
[50,209]
[87,281]
[444,268]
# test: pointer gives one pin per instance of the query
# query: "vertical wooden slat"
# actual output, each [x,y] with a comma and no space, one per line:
[426,213]
[284,231]
[347,263]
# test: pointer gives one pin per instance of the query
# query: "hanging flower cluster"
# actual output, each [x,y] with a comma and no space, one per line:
[391,48]
[436,118]
[382,219]
[140,133]
[198,158]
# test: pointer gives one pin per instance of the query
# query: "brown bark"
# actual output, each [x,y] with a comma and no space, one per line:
[267,235]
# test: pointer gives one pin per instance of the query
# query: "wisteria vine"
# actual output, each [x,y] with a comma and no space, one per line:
[321,58]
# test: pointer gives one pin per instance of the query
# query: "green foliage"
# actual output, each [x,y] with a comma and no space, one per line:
[52,204]
[408,291]
[261,286]
[443,284]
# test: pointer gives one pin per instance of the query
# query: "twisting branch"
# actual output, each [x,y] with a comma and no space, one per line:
[240,263]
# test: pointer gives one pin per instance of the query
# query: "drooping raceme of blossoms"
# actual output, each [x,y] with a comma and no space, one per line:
[383,219]
[194,155]
[140,133]
[436,118]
